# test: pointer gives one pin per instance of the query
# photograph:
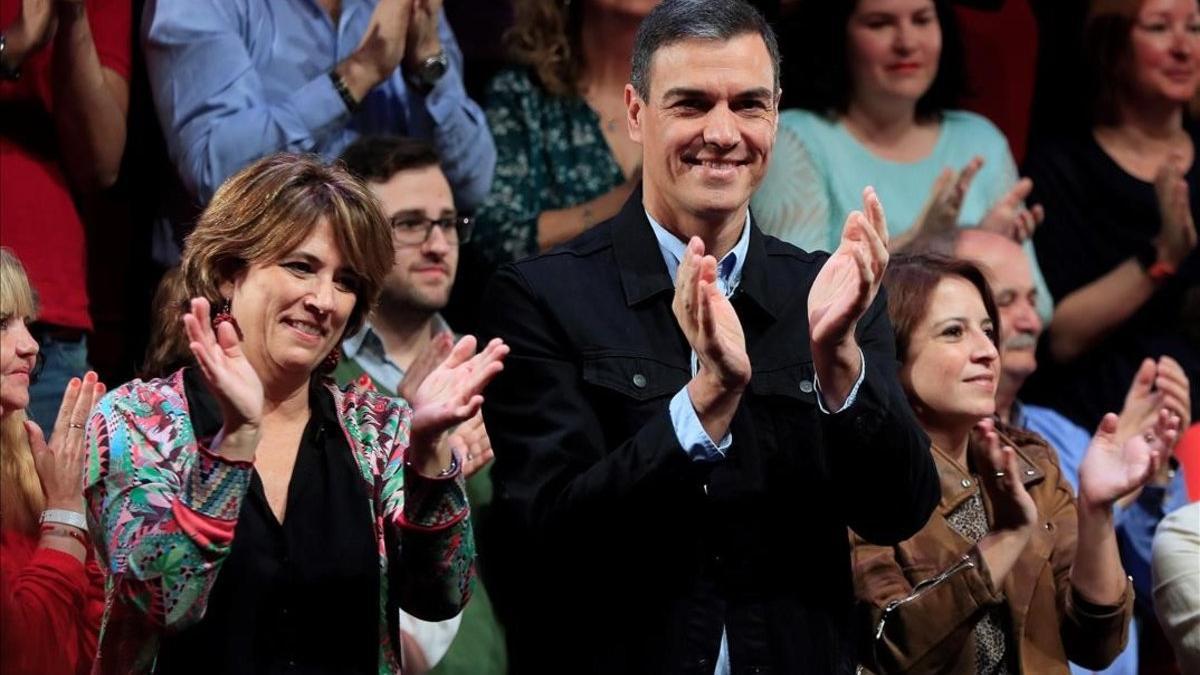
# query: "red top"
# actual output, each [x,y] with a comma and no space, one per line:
[50,608]
[38,219]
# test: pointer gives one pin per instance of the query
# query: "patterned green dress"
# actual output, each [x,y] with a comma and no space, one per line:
[550,154]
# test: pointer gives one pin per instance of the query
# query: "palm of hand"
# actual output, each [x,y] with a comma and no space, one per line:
[437,402]
[1110,471]
[230,376]
[241,389]
[728,346]
[834,301]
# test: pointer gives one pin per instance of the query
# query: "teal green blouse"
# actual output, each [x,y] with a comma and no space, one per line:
[550,154]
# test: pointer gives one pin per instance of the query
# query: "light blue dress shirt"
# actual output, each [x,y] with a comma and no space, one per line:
[694,440]
[1135,524]
[366,349]
[236,80]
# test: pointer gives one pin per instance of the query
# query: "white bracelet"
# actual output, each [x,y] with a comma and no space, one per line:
[64,517]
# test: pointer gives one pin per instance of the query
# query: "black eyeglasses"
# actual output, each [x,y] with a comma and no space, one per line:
[411,231]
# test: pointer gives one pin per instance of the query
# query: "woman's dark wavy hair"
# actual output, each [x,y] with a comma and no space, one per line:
[545,37]
[813,38]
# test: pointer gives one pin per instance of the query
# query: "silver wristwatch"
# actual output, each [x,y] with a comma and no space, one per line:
[426,75]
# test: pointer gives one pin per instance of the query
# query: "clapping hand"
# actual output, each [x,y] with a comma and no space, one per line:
[1111,469]
[450,395]
[1012,506]
[708,320]
[231,379]
[425,363]
[1157,385]
[1010,218]
[1177,236]
[472,441]
[59,464]
[383,45]
[423,40]
[941,211]
[849,280]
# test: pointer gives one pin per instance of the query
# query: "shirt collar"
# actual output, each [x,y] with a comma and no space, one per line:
[367,339]
[729,267]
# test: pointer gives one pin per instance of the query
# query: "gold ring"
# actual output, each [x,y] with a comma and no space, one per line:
[1000,474]
[75,426]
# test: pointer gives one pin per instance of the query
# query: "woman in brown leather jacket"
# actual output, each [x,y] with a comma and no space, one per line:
[1012,573]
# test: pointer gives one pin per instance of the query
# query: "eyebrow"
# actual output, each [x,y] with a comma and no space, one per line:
[420,213]
[317,262]
[690,92]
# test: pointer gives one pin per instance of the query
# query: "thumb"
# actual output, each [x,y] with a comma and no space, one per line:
[1108,428]
[1144,379]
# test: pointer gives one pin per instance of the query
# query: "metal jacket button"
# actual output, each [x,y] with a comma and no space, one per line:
[806,386]
[639,380]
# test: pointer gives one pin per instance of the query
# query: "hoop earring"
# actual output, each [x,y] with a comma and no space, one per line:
[225,314]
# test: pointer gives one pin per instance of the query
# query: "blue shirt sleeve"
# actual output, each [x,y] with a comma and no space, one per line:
[1136,524]
[862,373]
[210,97]
[691,434]
[457,126]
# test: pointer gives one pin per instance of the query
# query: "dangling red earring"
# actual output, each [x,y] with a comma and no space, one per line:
[331,361]
[225,313]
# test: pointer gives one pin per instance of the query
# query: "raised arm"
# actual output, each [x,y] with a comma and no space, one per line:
[162,504]
[445,113]
[424,494]
[1084,317]
[877,447]
[90,99]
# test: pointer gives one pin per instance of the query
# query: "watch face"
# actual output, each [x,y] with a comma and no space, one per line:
[434,68]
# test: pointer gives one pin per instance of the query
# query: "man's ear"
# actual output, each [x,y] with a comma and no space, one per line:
[633,113]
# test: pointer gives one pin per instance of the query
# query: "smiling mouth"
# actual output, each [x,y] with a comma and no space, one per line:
[306,328]
[718,164]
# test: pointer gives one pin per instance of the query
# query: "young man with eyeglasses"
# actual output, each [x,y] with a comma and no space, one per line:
[402,339]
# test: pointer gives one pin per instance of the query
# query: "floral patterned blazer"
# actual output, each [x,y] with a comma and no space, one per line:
[162,509]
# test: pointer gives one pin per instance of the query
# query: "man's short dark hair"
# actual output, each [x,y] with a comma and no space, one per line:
[674,21]
[378,158]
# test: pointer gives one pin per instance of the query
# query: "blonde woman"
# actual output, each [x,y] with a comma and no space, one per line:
[50,591]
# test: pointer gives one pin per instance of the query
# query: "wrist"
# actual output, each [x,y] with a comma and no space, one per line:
[73,504]
[1094,511]
[237,443]
[421,52]
[359,75]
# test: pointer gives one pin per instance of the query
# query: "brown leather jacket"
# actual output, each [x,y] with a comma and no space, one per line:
[924,595]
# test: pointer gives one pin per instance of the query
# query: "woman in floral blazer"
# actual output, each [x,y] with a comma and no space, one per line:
[251,516]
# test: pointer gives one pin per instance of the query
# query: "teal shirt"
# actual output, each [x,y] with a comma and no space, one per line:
[550,154]
[819,169]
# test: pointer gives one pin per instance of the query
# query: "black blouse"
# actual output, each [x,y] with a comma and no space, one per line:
[1098,216]
[296,597]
